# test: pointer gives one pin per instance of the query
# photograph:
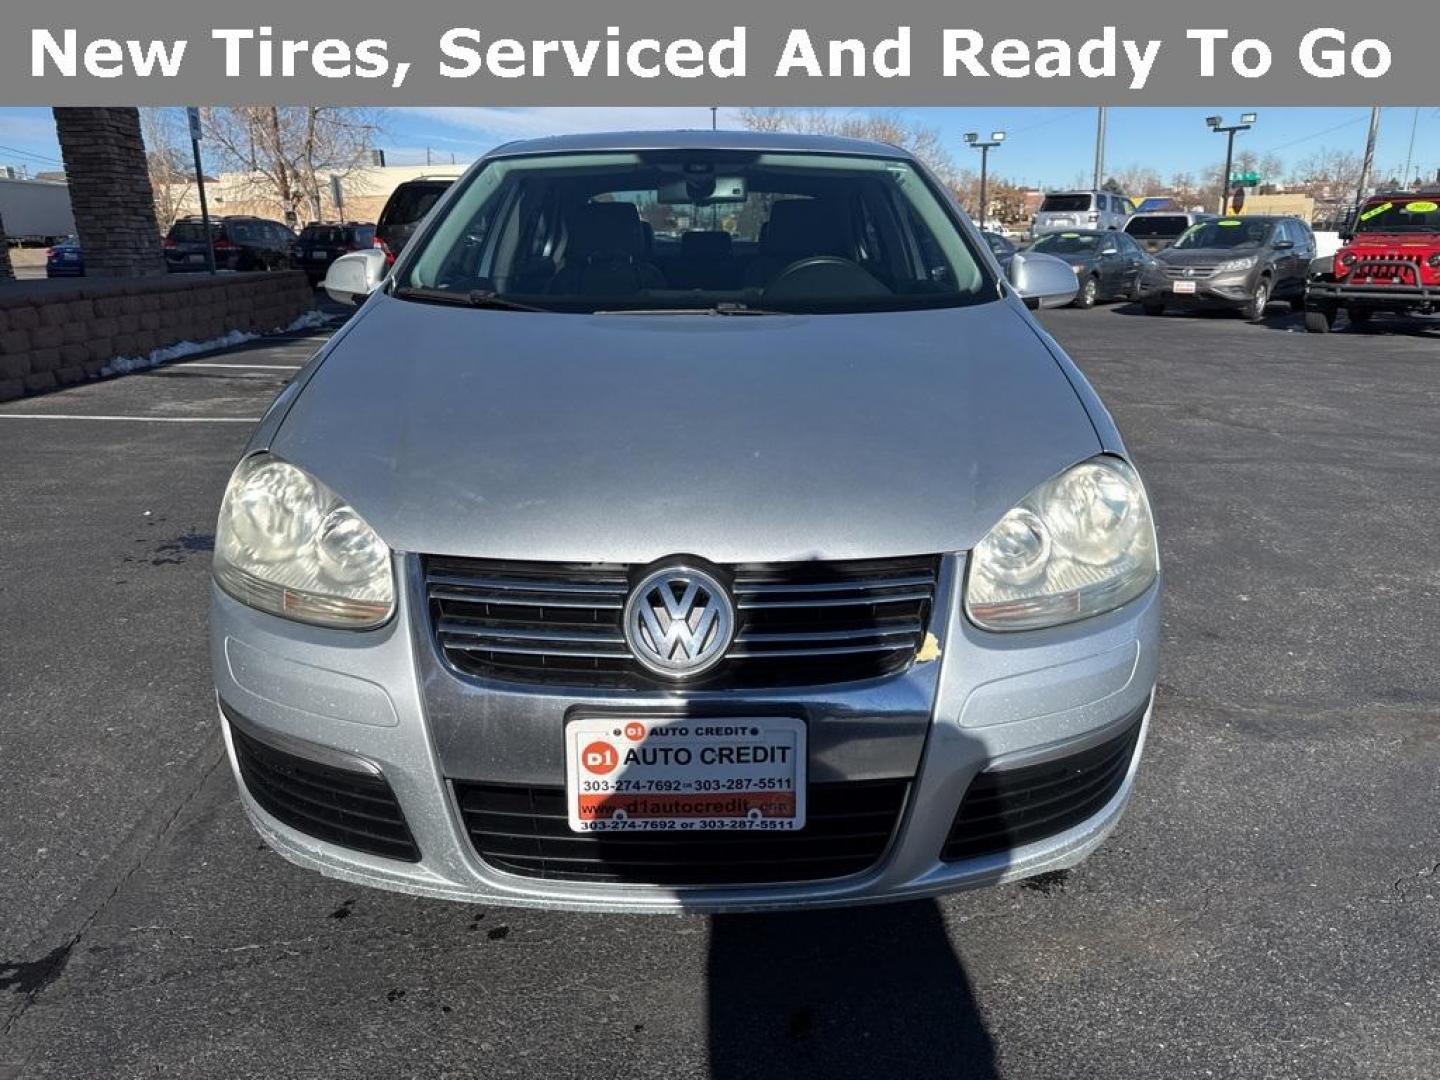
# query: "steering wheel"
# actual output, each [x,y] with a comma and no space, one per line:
[824,277]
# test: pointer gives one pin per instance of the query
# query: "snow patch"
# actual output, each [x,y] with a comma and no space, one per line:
[123,365]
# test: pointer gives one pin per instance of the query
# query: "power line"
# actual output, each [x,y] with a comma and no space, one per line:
[29,154]
[1312,135]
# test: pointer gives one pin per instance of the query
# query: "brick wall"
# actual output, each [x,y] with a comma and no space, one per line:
[110,191]
[53,336]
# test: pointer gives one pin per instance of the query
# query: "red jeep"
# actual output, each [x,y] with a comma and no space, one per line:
[1390,262]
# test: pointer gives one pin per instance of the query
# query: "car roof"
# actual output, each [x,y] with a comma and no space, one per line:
[754,141]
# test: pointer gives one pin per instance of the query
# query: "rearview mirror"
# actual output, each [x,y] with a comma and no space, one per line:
[1042,281]
[351,278]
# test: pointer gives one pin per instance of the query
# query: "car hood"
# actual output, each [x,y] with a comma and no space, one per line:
[1074,258]
[624,438]
[1204,256]
[1392,240]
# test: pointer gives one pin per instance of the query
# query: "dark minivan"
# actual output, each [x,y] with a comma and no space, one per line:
[322,242]
[241,242]
[405,209]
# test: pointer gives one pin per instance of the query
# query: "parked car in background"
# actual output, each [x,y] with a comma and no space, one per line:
[322,242]
[241,243]
[1064,210]
[1390,262]
[1002,247]
[1237,262]
[404,210]
[1156,202]
[1155,231]
[65,259]
[1107,263]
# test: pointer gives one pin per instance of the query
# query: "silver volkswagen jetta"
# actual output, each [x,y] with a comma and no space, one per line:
[688,521]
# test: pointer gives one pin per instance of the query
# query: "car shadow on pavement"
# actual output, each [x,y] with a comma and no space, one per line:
[871,992]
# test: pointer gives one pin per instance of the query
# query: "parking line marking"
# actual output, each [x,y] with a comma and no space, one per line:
[138,419]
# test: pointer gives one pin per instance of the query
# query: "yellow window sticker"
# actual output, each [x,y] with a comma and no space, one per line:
[1376,211]
[1070,236]
[1422,207]
[1230,224]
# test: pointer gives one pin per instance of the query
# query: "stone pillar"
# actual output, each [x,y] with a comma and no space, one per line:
[110,191]
[6,273]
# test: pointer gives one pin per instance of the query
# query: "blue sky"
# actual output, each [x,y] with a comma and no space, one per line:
[1046,146]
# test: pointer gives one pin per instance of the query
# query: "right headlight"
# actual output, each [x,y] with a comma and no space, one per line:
[1080,544]
[287,544]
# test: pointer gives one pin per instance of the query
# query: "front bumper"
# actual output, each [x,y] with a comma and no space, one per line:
[1229,291]
[1393,297]
[992,702]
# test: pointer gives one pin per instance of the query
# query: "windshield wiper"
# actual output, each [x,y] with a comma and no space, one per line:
[726,308]
[475,298]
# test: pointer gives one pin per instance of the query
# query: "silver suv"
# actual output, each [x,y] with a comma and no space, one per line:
[1066,210]
[689,521]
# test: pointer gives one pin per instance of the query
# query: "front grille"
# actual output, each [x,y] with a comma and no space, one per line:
[796,623]
[524,830]
[1193,270]
[1003,810]
[1388,269]
[353,809]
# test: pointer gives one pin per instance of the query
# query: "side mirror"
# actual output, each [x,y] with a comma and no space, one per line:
[351,278]
[1109,251]
[1283,245]
[1042,280]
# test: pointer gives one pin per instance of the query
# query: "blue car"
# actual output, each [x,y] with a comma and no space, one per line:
[65,259]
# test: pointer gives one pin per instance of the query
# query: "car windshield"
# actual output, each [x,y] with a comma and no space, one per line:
[1067,243]
[681,230]
[1065,203]
[1400,215]
[1226,233]
[1162,225]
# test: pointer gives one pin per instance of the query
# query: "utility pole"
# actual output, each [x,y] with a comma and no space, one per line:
[973,138]
[1369,162]
[1100,148]
[1410,151]
[1217,124]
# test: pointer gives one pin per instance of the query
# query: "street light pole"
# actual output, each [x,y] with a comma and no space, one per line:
[1100,148]
[1217,124]
[714,117]
[973,138]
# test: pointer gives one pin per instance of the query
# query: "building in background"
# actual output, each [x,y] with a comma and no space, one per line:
[363,193]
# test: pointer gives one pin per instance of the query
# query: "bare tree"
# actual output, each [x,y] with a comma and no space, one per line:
[288,153]
[925,142]
[167,154]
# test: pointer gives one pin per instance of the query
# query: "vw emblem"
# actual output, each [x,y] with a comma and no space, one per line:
[679,622]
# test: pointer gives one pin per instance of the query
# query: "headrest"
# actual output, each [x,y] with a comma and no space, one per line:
[597,228]
[800,227]
[705,245]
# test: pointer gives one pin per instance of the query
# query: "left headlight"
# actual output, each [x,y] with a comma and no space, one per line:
[1236,264]
[287,544]
[1080,544]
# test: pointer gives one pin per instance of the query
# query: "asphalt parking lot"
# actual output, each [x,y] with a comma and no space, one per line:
[1269,908]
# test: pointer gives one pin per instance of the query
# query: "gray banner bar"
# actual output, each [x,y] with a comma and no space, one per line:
[1081,52]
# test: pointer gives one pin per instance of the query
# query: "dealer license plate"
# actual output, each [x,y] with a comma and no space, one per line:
[319,256]
[194,258]
[685,775]
[1184,286]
